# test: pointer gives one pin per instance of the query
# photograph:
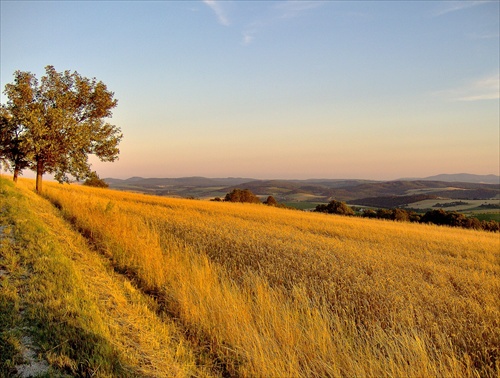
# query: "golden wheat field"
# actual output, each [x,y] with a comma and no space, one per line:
[279,293]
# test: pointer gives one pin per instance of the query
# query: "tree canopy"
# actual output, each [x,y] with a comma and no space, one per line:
[335,207]
[94,180]
[53,125]
[11,154]
[271,201]
[238,195]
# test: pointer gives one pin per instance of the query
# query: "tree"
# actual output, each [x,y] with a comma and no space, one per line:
[11,141]
[335,207]
[271,201]
[438,217]
[59,121]
[238,195]
[400,215]
[95,181]
[369,213]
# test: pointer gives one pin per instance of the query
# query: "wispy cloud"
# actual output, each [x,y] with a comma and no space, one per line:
[484,36]
[486,88]
[455,6]
[253,28]
[219,11]
[248,37]
[292,8]
[276,14]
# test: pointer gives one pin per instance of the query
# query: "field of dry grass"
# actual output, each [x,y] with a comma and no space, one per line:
[65,312]
[274,292]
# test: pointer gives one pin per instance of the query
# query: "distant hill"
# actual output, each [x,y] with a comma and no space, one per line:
[181,181]
[465,177]
[367,192]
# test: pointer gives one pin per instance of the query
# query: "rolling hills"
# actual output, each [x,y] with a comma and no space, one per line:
[360,192]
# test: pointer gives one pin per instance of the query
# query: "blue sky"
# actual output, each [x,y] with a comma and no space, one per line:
[283,89]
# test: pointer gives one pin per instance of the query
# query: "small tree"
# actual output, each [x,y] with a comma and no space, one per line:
[95,181]
[59,122]
[400,215]
[438,217]
[271,201]
[238,195]
[335,207]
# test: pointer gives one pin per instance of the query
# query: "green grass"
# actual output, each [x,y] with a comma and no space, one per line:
[302,205]
[487,216]
[10,320]
[42,297]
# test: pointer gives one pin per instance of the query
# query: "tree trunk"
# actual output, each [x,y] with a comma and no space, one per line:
[39,173]
[16,174]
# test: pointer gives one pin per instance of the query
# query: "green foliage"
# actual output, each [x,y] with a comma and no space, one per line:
[439,217]
[10,319]
[451,204]
[11,142]
[335,207]
[56,123]
[452,218]
[95,181]
[238,195]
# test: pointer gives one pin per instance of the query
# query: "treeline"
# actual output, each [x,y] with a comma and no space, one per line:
[437,216]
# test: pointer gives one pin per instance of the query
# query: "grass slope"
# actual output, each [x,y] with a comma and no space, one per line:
[259,292]
[282,293]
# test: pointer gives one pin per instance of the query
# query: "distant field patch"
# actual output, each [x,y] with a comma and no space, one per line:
[430,190]
[488,216]
[470,205]
[302,205]
[305,197]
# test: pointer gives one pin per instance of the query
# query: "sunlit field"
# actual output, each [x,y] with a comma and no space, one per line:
[275,292]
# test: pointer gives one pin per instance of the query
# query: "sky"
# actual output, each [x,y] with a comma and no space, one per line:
[278,89]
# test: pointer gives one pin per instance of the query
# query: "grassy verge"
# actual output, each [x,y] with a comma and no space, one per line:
[45,297]
[10,319]
[65,302]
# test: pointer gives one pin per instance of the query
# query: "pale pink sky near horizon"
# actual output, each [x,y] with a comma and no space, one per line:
[278,89]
